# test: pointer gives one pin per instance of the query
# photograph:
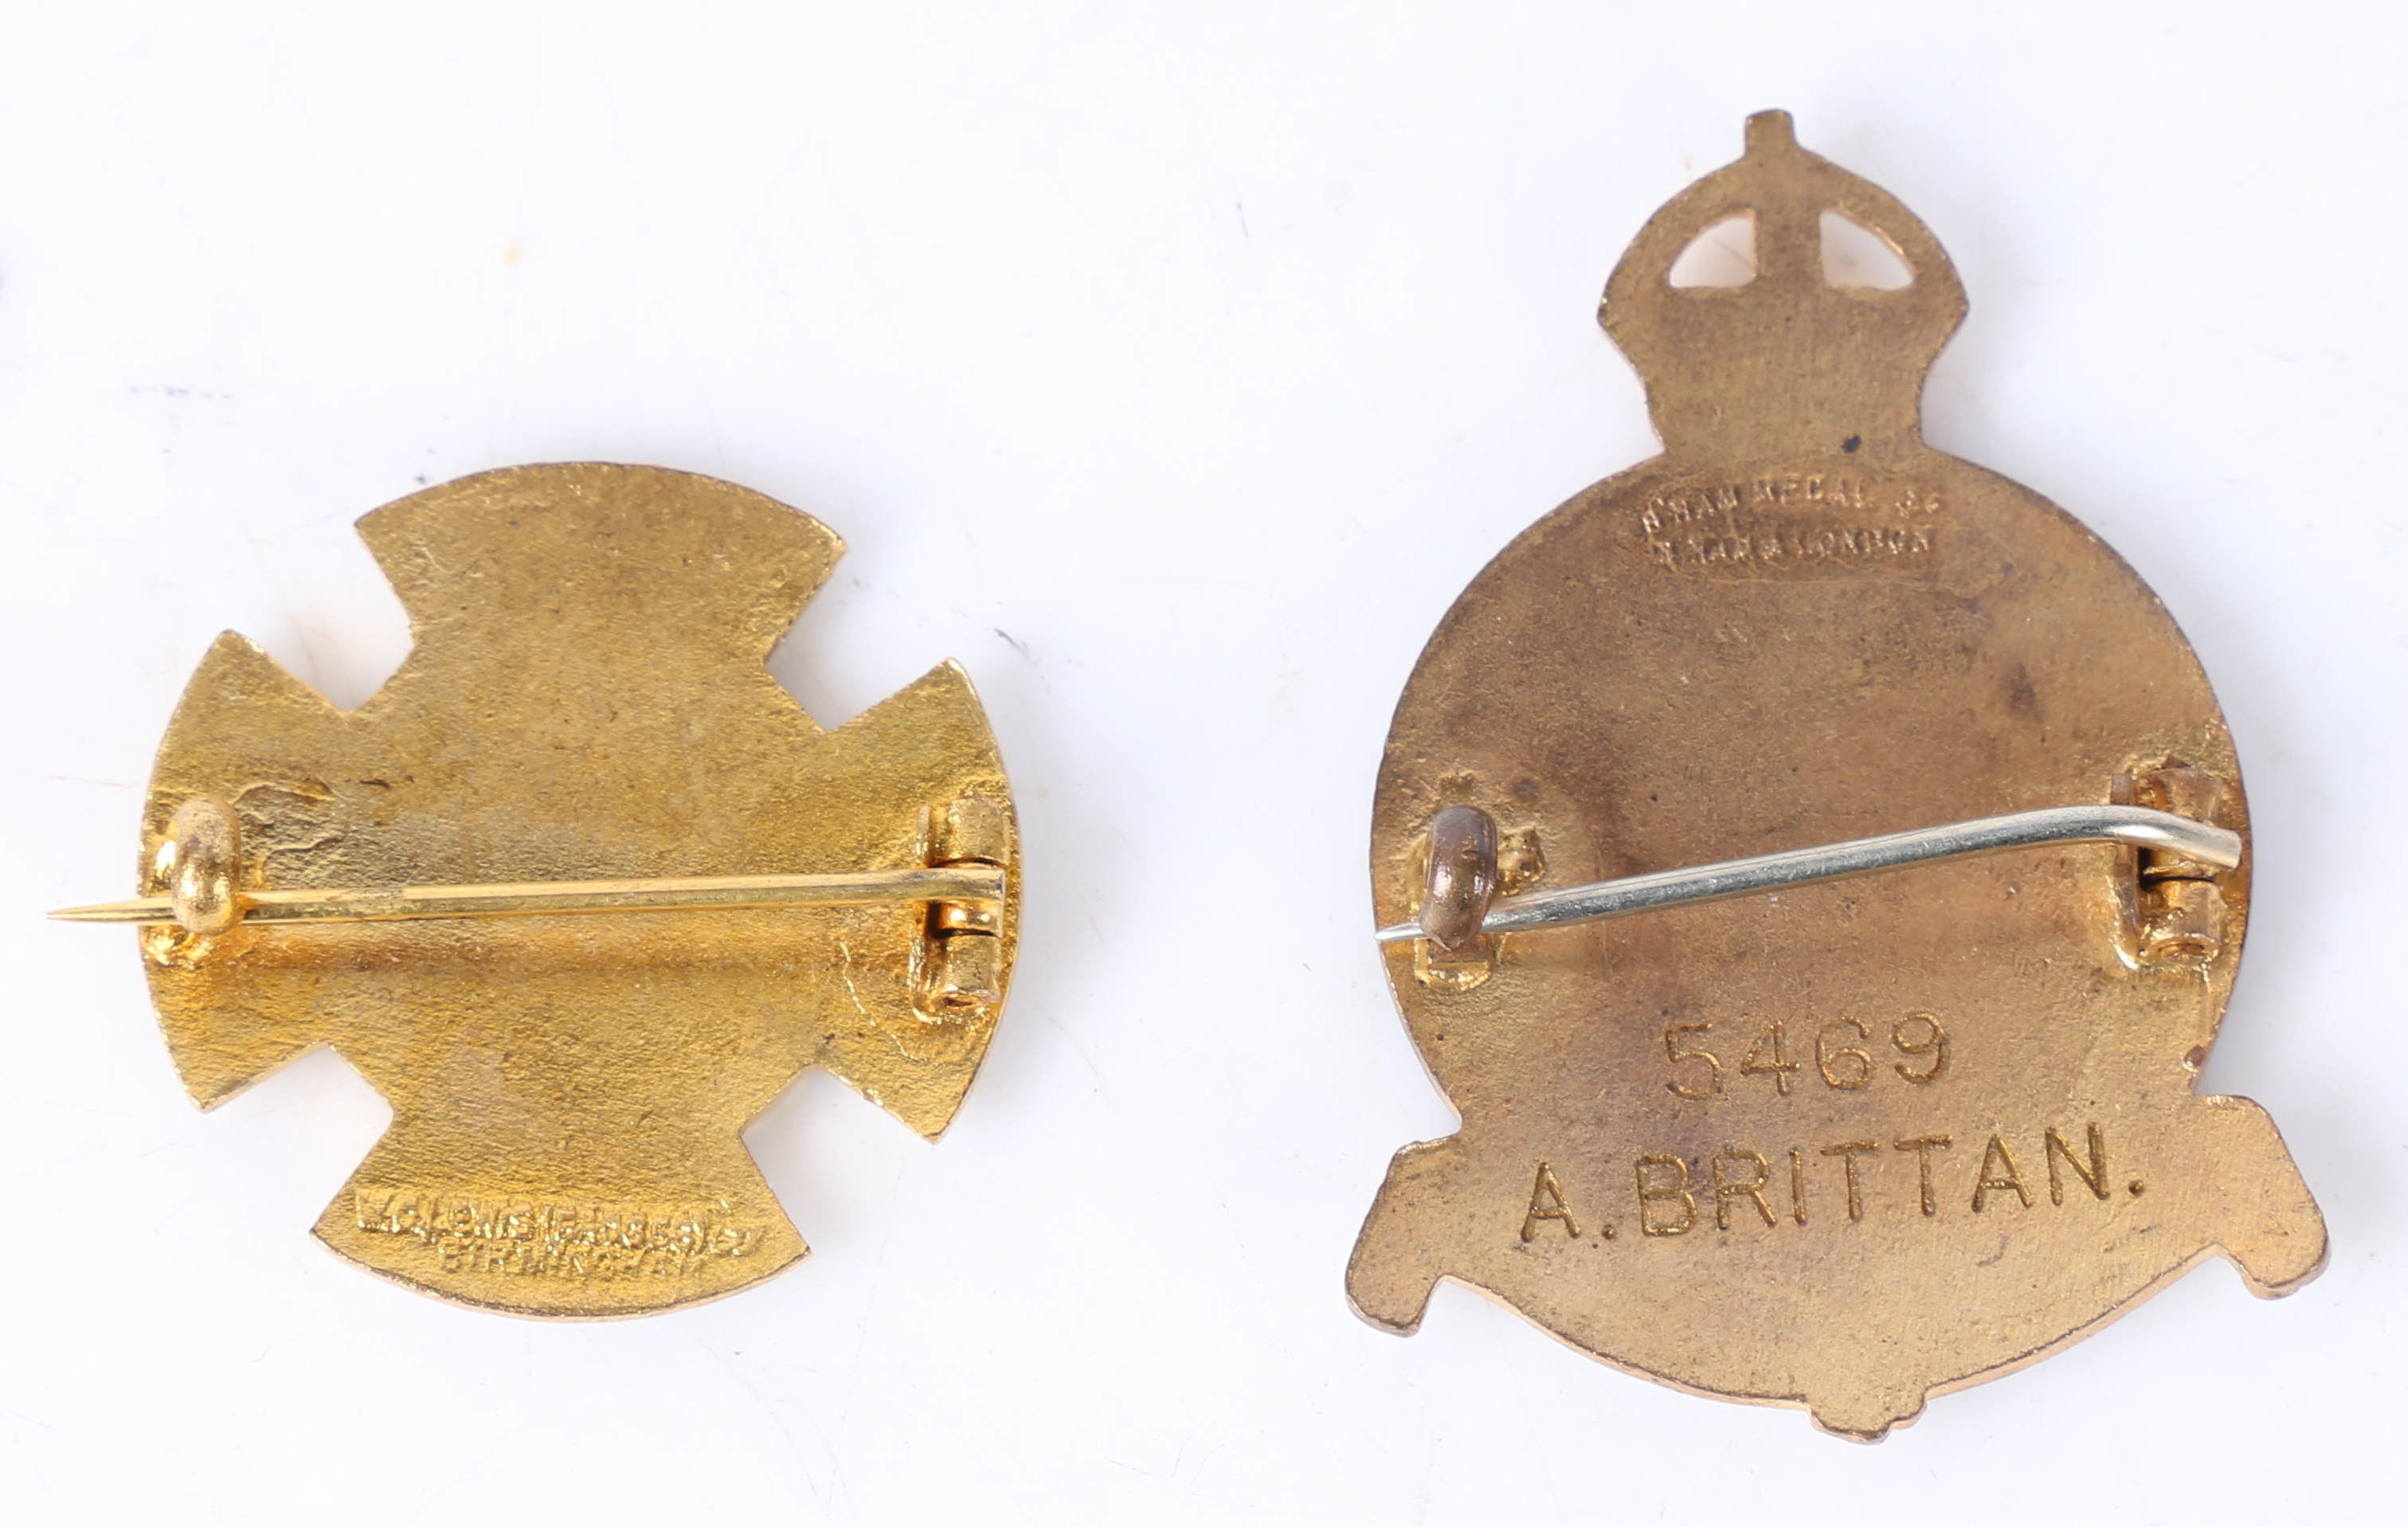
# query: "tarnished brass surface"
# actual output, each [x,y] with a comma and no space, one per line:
[1854,1143]
[586,701]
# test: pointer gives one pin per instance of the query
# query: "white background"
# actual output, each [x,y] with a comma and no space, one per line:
[1206,351]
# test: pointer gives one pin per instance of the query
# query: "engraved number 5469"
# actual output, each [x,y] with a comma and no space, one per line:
[1841,1055]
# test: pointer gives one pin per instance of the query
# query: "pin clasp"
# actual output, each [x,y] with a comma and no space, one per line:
[2176,852]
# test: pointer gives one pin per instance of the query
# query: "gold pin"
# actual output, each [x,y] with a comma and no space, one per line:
[584,726]
[1836,1124]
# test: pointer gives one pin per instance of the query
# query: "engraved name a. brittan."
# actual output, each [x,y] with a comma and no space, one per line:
[1708,1143]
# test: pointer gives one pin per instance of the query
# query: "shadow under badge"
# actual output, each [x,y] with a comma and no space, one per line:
[580,890]
[1838,1124]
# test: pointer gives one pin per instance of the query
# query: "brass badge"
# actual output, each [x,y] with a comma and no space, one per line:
[1925,844]
[580,890]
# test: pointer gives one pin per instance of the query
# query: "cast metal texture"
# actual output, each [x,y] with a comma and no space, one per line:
[1845,1145]
[586,700]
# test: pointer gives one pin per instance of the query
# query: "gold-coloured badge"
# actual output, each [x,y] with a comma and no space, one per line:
[1923,846]
[580,890]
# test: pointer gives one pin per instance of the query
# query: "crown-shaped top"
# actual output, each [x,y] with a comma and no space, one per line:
[1787,361]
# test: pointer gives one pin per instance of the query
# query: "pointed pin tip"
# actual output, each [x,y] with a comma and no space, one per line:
[147,909]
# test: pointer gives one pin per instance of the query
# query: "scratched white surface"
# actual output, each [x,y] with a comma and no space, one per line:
[1173,369]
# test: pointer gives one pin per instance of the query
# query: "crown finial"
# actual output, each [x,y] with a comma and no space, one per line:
[1788,358]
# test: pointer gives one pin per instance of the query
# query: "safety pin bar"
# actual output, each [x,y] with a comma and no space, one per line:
[2137,826]
[554,898]
[200,854]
